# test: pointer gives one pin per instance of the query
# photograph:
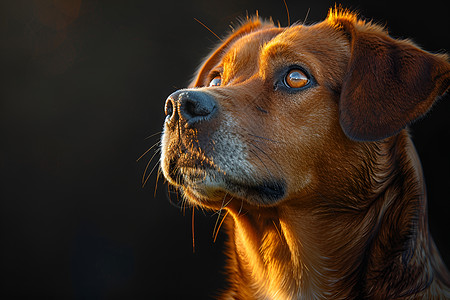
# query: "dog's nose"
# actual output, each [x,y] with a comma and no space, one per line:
[190,106]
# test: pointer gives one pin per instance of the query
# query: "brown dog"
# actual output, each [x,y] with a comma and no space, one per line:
[300,134]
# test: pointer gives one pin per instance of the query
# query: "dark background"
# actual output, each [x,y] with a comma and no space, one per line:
[83,85]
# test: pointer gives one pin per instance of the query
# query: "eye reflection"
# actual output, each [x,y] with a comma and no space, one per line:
[296,79]
[216,81]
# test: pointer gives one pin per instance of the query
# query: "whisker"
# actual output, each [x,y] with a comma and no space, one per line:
[168,193]
[263,138]
[263,152]
[146,167]
[217,221]
[275,164]
[240,209]
[287,11]
[220,225]
[219,213]
[193,230]
[153,169]
[183,204]
[150,136]
[228,202]
[154,145]
[259,158]
[203,209]
[157,178]
[307,14]
[208,29]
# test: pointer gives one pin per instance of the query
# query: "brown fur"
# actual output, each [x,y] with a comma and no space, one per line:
[323,185]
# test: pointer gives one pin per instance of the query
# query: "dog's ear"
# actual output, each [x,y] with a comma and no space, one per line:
[388,83]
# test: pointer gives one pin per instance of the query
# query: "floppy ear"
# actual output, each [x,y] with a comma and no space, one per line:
[388,84]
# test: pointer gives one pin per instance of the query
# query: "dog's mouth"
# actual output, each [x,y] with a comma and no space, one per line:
[207,185]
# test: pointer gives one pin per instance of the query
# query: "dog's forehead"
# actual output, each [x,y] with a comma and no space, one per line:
[318,40]
[319,46]
[255,40]
[244,52]
[258,49]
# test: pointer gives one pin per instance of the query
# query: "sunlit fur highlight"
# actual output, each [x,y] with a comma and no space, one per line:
[352,221]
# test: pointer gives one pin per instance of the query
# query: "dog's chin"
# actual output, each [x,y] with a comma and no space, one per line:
[202,187]
[211,189]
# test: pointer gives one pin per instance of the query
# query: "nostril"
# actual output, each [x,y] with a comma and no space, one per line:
[189,108]
[169,108]
[194,108]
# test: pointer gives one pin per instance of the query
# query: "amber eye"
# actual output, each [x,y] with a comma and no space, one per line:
[216,81]
[296,79]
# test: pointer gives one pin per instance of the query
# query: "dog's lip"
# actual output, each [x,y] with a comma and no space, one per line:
[200,177]
[208,184]
[266,193]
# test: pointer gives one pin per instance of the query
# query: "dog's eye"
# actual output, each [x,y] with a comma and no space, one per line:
[296,79]
[216,81]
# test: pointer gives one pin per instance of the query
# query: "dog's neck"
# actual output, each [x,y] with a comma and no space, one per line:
[311,251]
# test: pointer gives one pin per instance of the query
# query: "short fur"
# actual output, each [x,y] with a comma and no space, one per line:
[323,184]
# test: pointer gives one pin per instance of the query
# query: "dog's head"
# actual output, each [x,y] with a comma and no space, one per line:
[278,113]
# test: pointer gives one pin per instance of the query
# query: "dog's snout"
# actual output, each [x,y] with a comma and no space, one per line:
[190,106]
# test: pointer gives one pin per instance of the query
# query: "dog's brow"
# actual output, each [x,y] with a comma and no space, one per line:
[230,57]
[243,56]
[273,50]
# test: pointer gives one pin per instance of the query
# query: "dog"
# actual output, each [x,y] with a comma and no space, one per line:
[300,134]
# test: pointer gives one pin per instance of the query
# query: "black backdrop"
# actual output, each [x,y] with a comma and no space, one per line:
[83,84]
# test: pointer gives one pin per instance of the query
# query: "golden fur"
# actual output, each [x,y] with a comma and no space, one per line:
[323,184]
